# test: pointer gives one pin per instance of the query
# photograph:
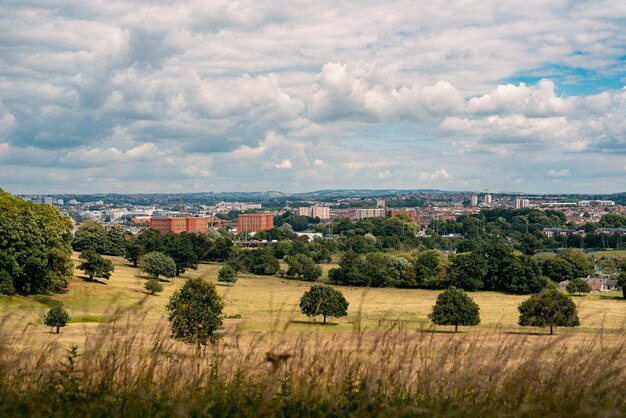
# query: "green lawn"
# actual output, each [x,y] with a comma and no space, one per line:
[266,303]
[610,253]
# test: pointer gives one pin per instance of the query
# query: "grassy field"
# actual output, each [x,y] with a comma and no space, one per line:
[610,253]
[265,303]
[275,362]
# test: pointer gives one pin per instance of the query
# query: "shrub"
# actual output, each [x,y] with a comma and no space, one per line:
[227,274]
[153,286]
[578,286]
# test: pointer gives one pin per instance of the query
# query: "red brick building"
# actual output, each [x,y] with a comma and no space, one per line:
[253,222]
[178,225]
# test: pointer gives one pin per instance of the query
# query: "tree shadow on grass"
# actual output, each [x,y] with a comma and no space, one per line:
[607,297]
[547,332]
[88,280]
[300,322]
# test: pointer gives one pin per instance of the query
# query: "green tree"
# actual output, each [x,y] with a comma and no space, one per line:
[37,238]
[581,264]
[158,264]
[323,300]
[180,248]
[549,308]
[153,286]
[467,271]
[56,317]
[621,281]
[94,265]
[455,307]
[116,241]
[557,269]
[91,235]
[8,270]
[195,312]
[133,251]
[303,267]
[150,240]
[227,274]
[578,286]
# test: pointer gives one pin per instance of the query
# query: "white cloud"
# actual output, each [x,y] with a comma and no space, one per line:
[559,173]
[441,174]
[284,164]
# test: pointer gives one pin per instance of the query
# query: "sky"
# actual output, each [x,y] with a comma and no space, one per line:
[145,96]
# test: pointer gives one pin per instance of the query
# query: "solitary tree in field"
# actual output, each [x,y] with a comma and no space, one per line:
[455,307]
[94,265]
[323,300]
[195,312]
[227,274]
[158,264]
[549,308]
[56,317]
[153,286]
[578,286]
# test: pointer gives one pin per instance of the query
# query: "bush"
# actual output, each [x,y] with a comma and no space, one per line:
[195,312]
[578,286]
[6,284]
[227,274]
[153,286]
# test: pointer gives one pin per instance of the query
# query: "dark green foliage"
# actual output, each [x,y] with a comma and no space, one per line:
[195,312]
[116,241]
[522,275]
[227,274]
[621,281]
[261,262]
[221,249]
[612,220]
[158,264]
[153,286]
[56,317]
[8,270]
[578,286]
[580,262]
[35,241]
[351,270]
[557,269]
[297,222]
[133,251]
[94,265]
[91,235]
[455,307]
[549,308]
[180,248]
[323,300]
[149,240]
[430,269]
[467,271]
[303,267]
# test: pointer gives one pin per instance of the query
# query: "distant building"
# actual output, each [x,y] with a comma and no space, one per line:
[180,224]
[552,232]
[380,203]
[370,213]
[322,212]
[47,200]
[596,203]
[253,222]
[521,203]
[474,200]
[488,199]
[411,214]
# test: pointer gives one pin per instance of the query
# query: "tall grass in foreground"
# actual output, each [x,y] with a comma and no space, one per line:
[122,370]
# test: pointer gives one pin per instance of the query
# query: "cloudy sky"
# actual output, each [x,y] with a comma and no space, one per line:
[186,96]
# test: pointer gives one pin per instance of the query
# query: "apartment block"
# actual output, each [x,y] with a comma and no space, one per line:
[253,222]
[180,224]
[321,212]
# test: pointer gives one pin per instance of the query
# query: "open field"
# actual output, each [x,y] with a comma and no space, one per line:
[276,362]
[265,303]
[610,253]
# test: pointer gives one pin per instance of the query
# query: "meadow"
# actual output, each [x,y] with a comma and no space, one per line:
[115,358]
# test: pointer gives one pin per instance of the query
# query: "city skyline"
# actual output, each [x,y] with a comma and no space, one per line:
[184,96]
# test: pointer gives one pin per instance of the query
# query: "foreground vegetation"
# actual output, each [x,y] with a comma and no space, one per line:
[131,369]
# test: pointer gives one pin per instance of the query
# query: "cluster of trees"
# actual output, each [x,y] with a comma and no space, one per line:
[495,267]
[35,247]
[91,235]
